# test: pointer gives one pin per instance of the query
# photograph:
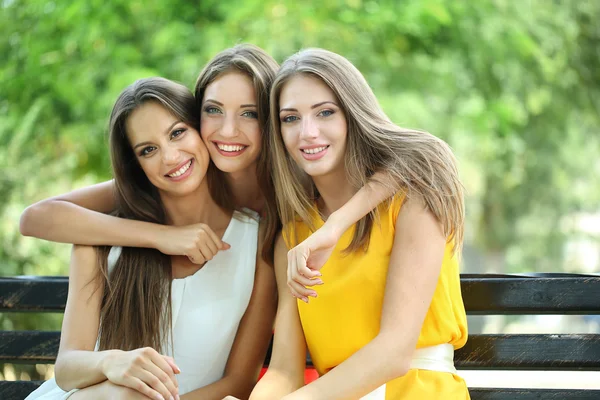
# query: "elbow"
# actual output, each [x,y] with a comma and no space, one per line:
[26,224]
[395,358]
[61,376]
[241,387]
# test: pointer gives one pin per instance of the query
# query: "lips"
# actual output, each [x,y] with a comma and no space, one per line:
[314,152]
[182,171]
[230,149]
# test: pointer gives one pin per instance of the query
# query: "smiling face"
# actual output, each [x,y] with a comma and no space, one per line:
[229,122]
[313,125]
[170,152]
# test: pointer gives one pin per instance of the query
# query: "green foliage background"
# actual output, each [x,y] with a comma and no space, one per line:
[513,86]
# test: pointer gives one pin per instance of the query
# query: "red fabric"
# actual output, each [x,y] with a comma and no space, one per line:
[309,375]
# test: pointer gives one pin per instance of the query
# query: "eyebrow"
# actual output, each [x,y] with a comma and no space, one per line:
[221,104]
[166,131]
[311,107]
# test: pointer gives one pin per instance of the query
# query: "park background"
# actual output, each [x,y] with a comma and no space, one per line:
[512,85]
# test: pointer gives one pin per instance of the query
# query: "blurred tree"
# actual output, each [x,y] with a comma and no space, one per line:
[512,86]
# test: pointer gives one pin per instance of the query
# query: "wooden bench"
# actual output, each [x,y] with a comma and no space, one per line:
[483,295]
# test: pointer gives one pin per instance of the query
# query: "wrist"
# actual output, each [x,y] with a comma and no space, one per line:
[105,361]
[153,235]
[337,223]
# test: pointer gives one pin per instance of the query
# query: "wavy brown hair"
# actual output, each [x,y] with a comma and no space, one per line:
[136,304]
[412,161]
[261,68]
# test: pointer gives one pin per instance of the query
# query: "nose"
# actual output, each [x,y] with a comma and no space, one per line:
[170,154]
[310,130]
[229,129]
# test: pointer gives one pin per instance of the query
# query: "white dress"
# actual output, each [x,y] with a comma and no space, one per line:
[206,308]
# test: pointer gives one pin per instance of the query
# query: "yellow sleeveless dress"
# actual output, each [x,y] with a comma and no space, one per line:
[346,314]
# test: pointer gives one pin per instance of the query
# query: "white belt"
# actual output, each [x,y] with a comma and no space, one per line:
[435,358]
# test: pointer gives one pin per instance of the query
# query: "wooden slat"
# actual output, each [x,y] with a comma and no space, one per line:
[20,390]
[550,294]
[33,293]
[482,294]
[510,352]
[533,394]
[29,347]
[571,352]
[15,390]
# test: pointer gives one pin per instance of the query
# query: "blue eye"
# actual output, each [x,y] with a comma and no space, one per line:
[289,118]
[250,114]
[326,113]
[212,110]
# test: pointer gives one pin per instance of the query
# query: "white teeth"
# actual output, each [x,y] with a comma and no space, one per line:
[230,148]
[315,150]
[181,170]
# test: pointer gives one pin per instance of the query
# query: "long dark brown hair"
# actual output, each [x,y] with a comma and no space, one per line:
[136,304]
[261,68]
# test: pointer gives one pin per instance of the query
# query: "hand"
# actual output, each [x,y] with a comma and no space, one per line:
[198,242]
[306,259]
[143,370]
[230,398]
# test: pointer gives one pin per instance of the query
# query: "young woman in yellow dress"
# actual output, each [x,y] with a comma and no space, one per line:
[385,312]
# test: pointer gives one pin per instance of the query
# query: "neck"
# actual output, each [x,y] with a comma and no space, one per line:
[334,190]
[245,189]
[193,208]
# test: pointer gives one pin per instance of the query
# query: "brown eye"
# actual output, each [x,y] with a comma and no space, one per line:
[147,150]
[177,132]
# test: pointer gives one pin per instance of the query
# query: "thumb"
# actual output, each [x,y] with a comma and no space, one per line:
[225,246]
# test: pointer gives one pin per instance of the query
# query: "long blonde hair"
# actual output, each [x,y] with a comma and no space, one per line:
[419,163]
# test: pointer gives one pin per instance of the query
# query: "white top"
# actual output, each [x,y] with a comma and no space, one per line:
[206,308]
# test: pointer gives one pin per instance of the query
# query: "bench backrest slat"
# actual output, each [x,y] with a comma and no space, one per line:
[482,295]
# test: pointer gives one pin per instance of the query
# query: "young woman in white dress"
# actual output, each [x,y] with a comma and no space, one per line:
[142,324]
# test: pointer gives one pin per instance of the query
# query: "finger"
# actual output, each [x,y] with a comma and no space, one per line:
[137,384]
[300,291]
[226,246]
[217,240]
[209,243]
[304,281]
[302,268]
[165,375]
[155,383]
[172,363]
[206,251]
[196,257]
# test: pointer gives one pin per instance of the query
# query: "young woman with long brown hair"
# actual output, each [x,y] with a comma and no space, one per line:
[136,317]
[386,320]
[232,92]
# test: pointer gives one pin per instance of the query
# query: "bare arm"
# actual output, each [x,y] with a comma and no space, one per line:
[78,365]
[80,217]
[251,342]
[307,258]
[413,273]
[288,360]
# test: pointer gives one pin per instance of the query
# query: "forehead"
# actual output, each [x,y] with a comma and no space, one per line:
[231,87]
[148,121]
[304,90]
